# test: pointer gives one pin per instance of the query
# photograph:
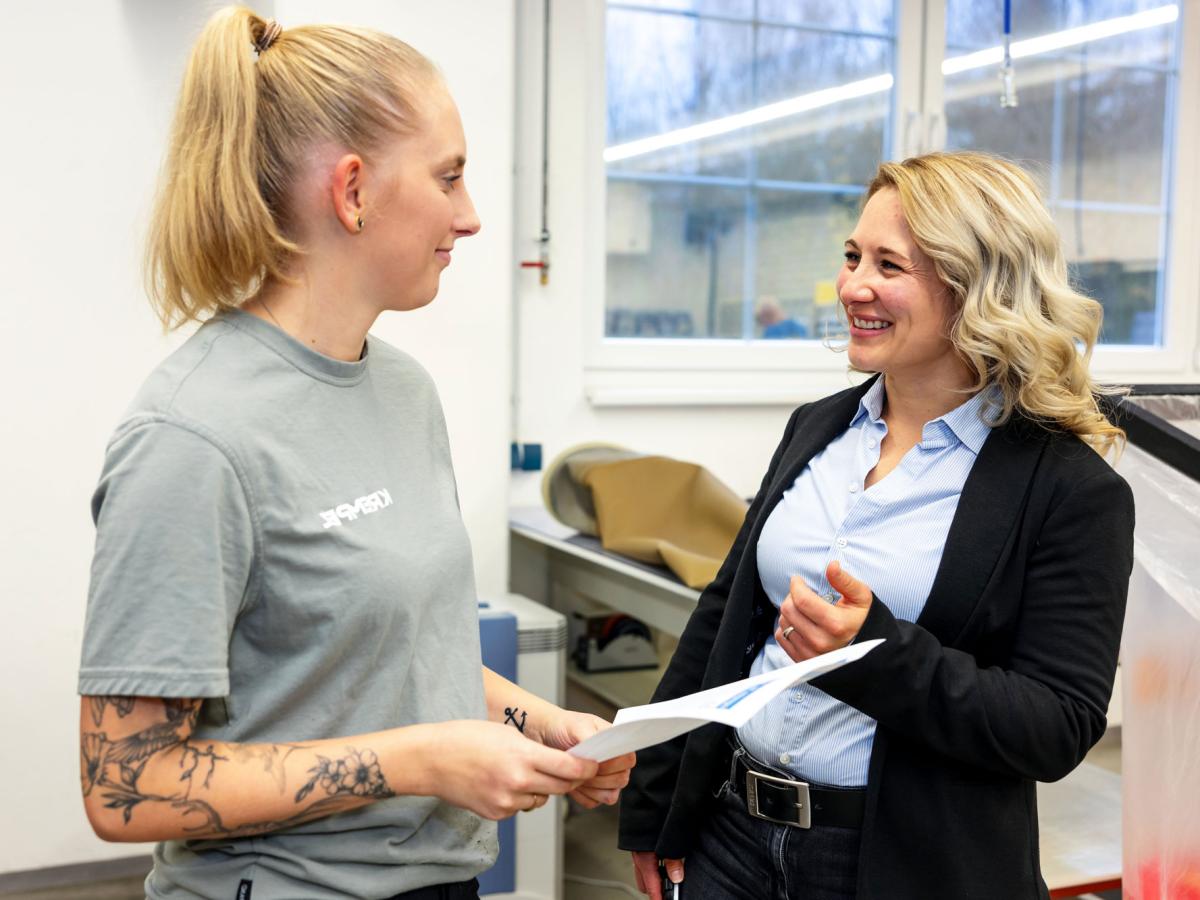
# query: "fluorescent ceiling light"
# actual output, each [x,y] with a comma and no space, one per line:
[756,116]
[1071,37]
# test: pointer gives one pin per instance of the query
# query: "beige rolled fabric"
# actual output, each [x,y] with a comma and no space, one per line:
[651,508]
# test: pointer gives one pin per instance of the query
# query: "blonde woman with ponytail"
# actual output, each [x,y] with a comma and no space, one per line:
[281,679]
[958,506]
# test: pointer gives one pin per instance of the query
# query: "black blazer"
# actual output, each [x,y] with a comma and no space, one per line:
[1003,681]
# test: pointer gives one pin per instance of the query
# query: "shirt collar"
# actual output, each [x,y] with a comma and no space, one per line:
[965,422]
[871,403]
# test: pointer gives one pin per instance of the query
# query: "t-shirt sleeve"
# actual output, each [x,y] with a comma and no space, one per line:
[174,555]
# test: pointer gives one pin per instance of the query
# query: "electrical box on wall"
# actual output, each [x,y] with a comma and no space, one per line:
[525,457]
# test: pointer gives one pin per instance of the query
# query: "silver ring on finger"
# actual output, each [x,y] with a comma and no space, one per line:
[787,632]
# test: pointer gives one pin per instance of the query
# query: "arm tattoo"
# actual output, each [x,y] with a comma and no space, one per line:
[358,774]
[115,767]
[123,706]
[510,714]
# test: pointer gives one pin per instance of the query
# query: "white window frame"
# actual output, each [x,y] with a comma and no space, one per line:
[653,372]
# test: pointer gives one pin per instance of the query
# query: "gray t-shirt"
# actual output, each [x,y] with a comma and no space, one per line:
[279,531]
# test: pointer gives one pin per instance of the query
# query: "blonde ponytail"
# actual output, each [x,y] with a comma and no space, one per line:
[243,125]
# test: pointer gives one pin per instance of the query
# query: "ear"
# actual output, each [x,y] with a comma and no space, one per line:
[345,188]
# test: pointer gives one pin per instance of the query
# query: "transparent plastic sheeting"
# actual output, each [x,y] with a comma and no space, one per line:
[1160,664]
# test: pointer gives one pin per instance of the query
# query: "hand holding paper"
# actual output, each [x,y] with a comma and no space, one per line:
[732,704]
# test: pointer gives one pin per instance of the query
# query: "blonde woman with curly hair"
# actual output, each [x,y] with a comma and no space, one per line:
[281,671]
[957,505]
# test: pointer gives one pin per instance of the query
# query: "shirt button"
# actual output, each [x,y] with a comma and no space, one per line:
[871,443]
[854,488]
[842,542]
[796,696]
[830,597]
[785,758]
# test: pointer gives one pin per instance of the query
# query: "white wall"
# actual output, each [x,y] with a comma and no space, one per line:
[86,92]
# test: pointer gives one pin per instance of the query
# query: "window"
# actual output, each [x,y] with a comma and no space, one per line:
[739,137]
[1096,94]
[740,133]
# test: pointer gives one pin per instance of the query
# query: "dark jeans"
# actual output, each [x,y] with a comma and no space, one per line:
[463,890]
[739,857]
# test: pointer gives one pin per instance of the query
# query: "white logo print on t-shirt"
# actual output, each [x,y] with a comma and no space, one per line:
[371,503]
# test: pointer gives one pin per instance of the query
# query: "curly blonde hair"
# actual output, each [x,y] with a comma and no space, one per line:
[255,101]
[1019,325]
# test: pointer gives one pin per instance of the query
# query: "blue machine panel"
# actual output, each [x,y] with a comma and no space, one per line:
[498,635]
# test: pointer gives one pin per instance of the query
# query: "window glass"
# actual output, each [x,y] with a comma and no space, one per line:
[976,24]
[1115,257]
[731,8]
[796,296]
[740,134]
[840,142]
[737,148]
[670,72]
[862,15]
[1093,121]
[675,260]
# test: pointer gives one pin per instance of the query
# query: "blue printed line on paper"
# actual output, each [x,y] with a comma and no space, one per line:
[738,698]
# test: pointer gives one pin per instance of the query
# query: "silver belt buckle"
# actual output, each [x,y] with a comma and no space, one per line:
[803,808]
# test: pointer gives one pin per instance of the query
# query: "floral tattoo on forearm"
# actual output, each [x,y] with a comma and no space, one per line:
[357,775]
[115,768]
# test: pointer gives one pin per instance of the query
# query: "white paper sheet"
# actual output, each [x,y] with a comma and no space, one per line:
[731,704]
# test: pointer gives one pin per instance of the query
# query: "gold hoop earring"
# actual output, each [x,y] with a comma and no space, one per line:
[359,222]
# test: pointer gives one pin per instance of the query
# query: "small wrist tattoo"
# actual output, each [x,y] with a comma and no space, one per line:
[510,713]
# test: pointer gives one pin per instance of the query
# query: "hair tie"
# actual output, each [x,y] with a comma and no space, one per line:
[271,32]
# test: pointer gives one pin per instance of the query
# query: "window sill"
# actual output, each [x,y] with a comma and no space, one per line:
[614,397]
[630,388]
[710,378]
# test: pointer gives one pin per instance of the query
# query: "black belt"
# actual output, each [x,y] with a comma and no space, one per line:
[778,798]
[463,890]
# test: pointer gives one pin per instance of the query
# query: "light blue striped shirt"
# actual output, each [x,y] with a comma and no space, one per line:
[889,535]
